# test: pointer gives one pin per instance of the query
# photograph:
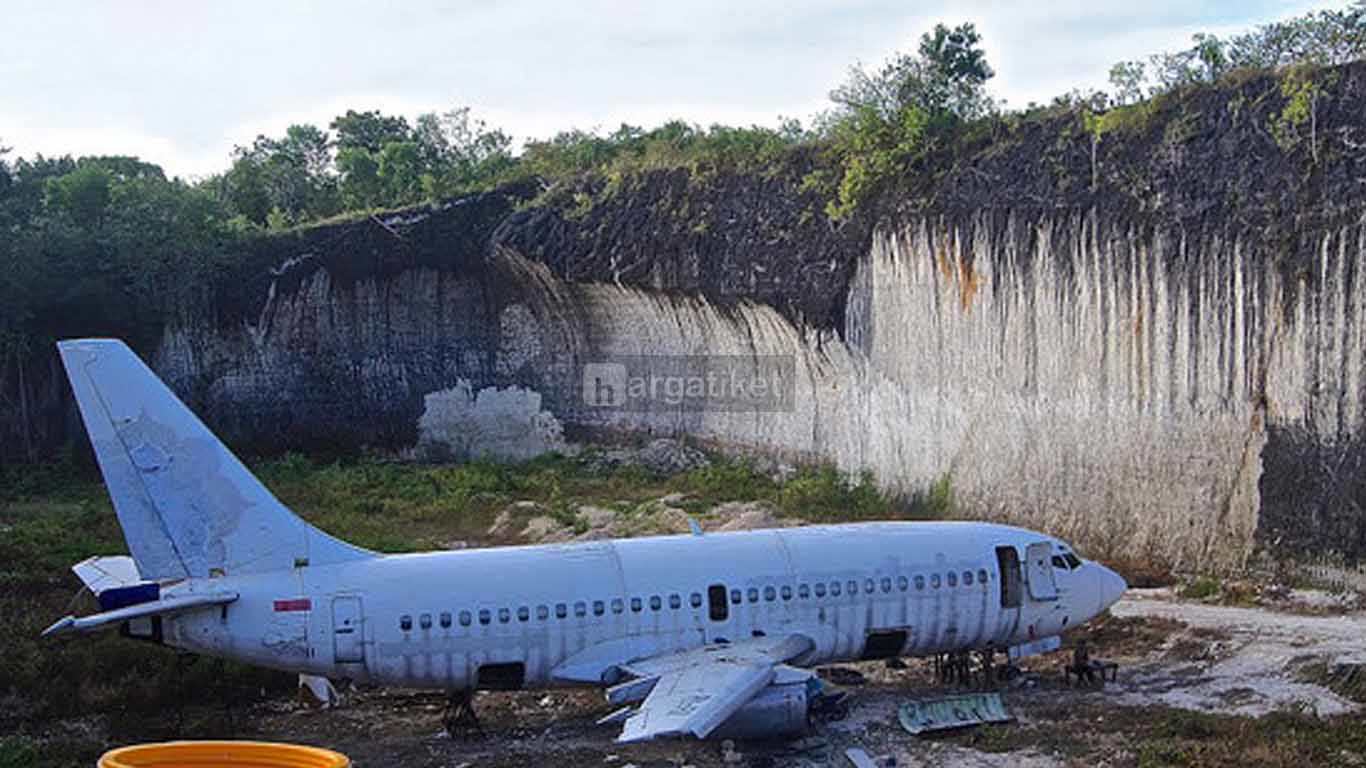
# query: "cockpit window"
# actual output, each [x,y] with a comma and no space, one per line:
[1066,561]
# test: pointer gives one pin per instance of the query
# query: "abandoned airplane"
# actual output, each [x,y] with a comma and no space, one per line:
[694,635]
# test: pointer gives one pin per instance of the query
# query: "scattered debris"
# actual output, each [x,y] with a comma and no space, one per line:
[969,709]
[842,675]
[859,758]
[317,692]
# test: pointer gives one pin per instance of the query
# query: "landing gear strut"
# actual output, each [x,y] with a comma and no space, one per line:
[950,668]
[958,668]
[459,717]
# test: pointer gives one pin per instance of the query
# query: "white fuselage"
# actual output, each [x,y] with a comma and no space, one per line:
[569,613]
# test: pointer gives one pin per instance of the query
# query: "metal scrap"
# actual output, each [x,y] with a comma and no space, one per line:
[962,711]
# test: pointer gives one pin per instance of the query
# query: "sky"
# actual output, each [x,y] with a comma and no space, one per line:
[181,83]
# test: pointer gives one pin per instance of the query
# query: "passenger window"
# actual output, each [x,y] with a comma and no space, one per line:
[445,620]
[853,587]
[981,575]
[635,605]
[919,583]
[834,589]
[542,612]
[599,608]
[695,600]
[934,580]
[425,621]
[485,616]
[820,589]
[580,609]
[953,579]
[803,592]
[405,622]
[967,578]
[504,615]
[655,603]
[868,586]
[675,602]
[902,583]
[465,618]
[770,594]
[786,592]
[617,605]
[523,613]
[887,584]
[561,610]
[735,596]
[753,594]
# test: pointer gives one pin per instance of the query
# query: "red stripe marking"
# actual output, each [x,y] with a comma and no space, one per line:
[299,604]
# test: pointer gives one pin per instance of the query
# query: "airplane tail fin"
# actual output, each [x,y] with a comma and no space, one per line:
[187,505]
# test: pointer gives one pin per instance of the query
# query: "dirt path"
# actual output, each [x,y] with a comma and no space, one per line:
[1245,661]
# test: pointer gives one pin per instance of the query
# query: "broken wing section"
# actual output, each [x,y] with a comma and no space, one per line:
[692,693]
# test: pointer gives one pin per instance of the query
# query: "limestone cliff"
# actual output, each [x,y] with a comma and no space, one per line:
[1146,335]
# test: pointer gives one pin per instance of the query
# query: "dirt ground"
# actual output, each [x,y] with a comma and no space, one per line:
[1176,656]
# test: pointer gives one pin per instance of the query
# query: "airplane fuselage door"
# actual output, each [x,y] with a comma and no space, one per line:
[1039,571]
[348,636]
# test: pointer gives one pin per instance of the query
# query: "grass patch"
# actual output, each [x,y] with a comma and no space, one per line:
[1202,588]
[1087,733]
[1346,680]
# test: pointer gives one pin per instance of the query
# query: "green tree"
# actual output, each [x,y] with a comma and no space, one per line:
[369,130]
[956,71]
[400,172]
[82,194]
[459,153]
[1322,37]
[1204,62]
[887,119]
[1128,77]
[360,182]
[947,75]
[292,173]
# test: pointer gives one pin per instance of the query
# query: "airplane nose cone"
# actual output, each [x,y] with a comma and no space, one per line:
[1112,587]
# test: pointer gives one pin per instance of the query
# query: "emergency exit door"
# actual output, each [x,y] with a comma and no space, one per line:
[1039,571]
[348,637]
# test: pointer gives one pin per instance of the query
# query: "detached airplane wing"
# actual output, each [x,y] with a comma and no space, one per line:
[693,692]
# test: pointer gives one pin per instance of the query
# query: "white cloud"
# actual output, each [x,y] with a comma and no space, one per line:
[182,83]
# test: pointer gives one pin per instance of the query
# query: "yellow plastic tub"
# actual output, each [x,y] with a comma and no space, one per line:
[222,754]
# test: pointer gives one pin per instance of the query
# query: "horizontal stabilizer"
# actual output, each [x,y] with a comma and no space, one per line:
[101,573]
[164,606]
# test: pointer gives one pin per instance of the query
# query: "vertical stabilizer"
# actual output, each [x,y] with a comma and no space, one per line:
[187,506]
